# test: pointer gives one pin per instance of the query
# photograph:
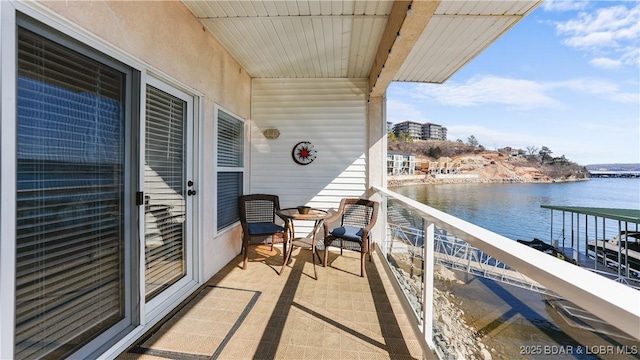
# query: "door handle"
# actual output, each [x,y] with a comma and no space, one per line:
[191,192]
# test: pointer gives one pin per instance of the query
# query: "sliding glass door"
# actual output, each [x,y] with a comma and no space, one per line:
[72,248]
[96,188]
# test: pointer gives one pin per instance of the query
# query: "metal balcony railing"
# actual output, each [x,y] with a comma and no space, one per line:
[425,251]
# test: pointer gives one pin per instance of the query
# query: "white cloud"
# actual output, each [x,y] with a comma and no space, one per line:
[398,111]
[627,98]
[586,85]
[615,22]
[610,32]
[600,88]
[518,93]
[631,55]
[606,63]
[620,148]
[564,5]
[489,90]
[489,138]
[592,40]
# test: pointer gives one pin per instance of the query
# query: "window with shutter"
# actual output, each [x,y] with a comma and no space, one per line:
[230,167]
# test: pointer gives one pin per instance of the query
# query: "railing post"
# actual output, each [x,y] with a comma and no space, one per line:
[619,248]
[467,254]
[595,248]
[387,241]
[428,277]
[551,235]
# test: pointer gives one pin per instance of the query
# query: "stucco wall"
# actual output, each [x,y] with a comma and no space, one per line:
[165,36]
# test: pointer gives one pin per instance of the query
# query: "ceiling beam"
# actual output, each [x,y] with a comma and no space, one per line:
[406,23]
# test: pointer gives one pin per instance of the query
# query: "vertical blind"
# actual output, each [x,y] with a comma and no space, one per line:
[165,207]
[70,186]
[230,167]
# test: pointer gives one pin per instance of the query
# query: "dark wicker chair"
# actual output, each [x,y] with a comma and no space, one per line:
[357,217]
[258,220]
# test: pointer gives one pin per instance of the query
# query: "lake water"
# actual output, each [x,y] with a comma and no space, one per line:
[513,210]
[516,323]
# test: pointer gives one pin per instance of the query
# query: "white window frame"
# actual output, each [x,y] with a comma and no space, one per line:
[218,169]
[154,305]
[8,113]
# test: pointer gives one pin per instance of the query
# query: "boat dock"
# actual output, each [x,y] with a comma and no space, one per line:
[584,227]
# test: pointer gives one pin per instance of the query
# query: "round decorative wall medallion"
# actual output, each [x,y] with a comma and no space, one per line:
[304,153]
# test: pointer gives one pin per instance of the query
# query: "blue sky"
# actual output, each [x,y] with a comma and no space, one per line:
[566,77]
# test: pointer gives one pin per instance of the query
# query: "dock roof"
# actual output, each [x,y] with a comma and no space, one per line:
[629,215]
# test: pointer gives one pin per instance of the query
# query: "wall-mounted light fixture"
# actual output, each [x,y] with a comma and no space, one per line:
[271,133]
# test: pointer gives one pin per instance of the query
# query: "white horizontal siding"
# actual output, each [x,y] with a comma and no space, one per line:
[331,114]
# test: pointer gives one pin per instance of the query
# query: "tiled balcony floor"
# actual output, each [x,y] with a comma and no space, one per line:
[256,314]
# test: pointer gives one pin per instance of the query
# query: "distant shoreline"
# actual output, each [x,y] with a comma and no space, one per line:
[406,180]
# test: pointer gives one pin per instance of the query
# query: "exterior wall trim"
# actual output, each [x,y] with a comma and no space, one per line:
[7,178]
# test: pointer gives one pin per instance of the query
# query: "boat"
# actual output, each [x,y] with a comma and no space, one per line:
[547,249]
[616,250]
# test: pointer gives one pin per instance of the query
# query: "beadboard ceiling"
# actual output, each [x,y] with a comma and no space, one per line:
[416,41]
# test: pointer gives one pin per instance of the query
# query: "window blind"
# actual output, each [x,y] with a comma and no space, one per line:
[230,141]
[165,206]
[229,188]
[70,186]
[230,168]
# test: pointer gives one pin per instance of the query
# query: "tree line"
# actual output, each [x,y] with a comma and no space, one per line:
[435,149]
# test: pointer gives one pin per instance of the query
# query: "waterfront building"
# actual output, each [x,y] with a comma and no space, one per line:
[129,129]
[421,131]
[433,132]
[411,128]
[400,164]
[389,127]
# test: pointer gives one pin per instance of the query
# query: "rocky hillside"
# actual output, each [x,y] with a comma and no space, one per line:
[493,166]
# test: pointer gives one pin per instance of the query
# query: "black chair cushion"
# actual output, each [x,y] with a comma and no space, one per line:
[264,228]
